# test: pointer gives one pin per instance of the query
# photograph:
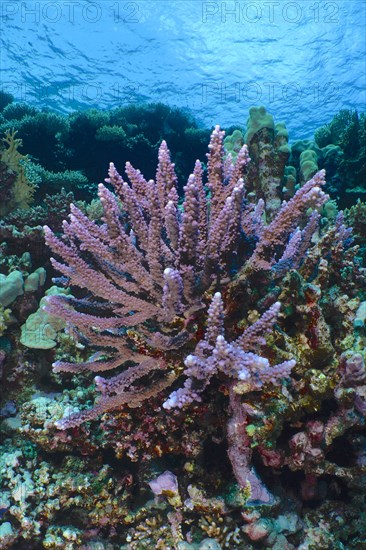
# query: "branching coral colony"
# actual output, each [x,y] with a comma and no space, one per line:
[167,287]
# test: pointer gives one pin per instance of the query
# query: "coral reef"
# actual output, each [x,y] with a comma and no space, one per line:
[340,148]
[81,144]
[233,328]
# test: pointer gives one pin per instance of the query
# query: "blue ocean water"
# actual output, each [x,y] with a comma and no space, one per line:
[303,60]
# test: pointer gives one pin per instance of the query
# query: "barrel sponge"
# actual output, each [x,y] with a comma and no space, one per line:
[258,119]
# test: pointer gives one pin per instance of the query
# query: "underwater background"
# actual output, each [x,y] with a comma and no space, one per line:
[182,346]
[304,60]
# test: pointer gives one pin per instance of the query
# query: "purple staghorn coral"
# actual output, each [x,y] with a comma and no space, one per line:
[214,354]
[150,270]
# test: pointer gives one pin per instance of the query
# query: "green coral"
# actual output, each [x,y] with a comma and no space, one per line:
[269,152]
[94,209]
[11,286]
[343,143]
[289,182]
[93,117]
[41,328]
[17,111]
[258,119]
[35,124]
[233,143]
[308,164]
[342,130]
[281,138]
[110,133]
[47,180]
[89,139]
